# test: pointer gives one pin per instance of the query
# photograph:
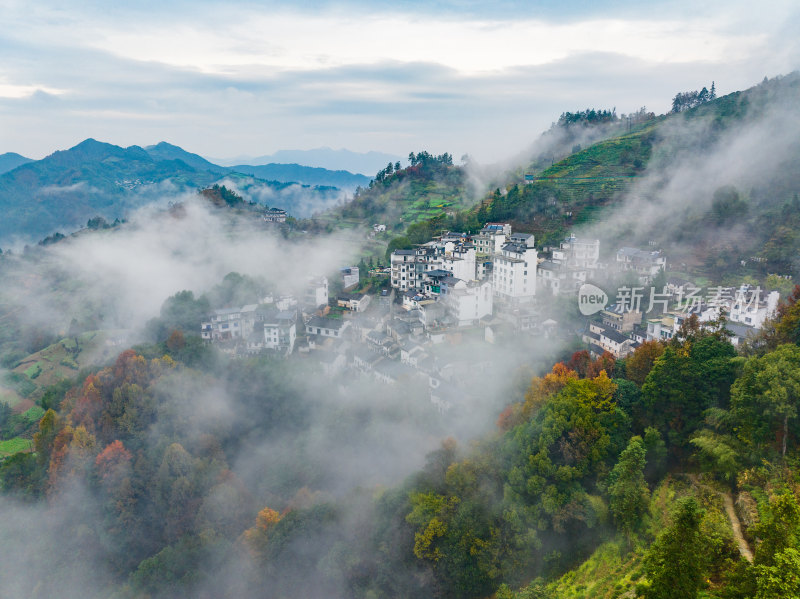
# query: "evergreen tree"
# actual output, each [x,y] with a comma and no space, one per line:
[627,488]
[675,562]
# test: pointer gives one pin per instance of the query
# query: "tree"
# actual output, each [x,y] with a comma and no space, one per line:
[781,579]
[640,362]
[764,399]
[780,530]
[112,463]
[176,341]
[687,379]
[782,285]
[398,243]
[656,454]
[542,388]
[580,362]
[627,489]
[787,328]
[675,562]
[257,537]
[606,362]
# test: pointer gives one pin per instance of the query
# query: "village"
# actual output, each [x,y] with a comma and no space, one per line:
[478,289]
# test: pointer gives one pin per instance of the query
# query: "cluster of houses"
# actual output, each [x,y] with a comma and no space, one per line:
[355,333]
[625,325]
[481,287]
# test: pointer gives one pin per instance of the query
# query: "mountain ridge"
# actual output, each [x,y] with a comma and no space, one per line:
[93,178]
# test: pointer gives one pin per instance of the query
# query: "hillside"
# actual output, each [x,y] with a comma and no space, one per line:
[429,188]
[575,190]
[716,186]
[304,174]
[671,473]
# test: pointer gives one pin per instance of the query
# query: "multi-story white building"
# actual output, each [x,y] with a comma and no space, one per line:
[514,275]
[409,267]
[274,330]
[229,323]
[275,215]
[569,265]
[467,302]
[491,238]
[645,264]
[316,291]
[350,276]
[750,308]
[601,339]
[280,331]
[578,253]
[460,262]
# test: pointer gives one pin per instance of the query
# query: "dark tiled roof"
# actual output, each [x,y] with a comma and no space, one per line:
[325,323]
[614,336]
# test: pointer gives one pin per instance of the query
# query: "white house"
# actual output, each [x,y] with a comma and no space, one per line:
[491,238]
[316,291]
[750,308]
[469,302]
[644,263]
[326,327]
[229,323]
[460,262]
[350,276]
[355,302]
[280,331]
[514,275]
[578,253]
[602,339]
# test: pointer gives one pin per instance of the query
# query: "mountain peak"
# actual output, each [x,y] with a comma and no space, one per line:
[90,143]
[11,160]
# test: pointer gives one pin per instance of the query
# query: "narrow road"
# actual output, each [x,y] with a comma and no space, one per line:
[736,525]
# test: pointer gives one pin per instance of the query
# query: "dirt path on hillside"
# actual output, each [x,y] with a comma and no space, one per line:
[736,525]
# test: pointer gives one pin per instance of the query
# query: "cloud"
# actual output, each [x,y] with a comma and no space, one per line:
[81,186]
[283,425]
[469,81]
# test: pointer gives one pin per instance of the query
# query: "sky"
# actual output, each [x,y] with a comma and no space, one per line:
[251,78]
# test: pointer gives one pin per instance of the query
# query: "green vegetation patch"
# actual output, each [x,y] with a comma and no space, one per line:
[33,371]
[33,415]
[15,445]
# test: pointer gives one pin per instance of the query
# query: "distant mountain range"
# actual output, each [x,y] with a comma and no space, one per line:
[11,160]
[65,189]
[367,163]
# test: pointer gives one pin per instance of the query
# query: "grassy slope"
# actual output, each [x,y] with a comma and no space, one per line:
[575,190]
[408,197]
[614,569]
[14,445]
[56,362]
